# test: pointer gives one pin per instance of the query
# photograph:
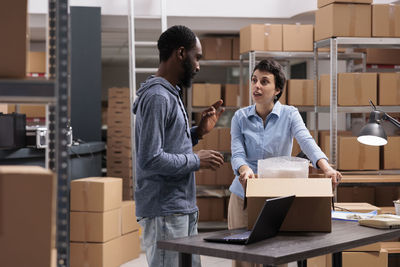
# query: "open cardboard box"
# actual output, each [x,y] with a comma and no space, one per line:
[311,209]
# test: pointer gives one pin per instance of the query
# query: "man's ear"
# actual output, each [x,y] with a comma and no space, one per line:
[181,53]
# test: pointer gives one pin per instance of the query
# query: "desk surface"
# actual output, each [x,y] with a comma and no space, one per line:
[285,247]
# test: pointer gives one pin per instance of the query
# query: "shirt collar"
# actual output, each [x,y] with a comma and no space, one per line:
[275,110]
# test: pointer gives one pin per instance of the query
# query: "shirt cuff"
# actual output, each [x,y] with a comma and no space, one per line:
[236,164]
[196,161]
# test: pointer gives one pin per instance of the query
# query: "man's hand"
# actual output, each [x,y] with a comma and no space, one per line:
[209,118]
[210,159]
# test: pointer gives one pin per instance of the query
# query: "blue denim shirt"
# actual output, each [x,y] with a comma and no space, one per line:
[251,140]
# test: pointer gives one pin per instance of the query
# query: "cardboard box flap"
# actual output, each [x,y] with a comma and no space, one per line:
[301,187]
[12,169]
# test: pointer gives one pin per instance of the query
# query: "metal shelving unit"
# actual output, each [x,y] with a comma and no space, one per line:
[54,93]
[349,42]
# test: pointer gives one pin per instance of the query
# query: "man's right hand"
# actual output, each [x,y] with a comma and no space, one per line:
[210,159]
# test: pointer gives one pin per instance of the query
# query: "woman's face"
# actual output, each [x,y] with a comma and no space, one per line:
[263,87]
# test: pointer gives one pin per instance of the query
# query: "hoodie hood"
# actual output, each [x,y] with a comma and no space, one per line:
[151,81]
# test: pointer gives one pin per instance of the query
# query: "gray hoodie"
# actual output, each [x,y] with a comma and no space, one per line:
[165,162]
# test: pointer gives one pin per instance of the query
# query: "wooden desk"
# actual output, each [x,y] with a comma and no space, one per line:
[283,248]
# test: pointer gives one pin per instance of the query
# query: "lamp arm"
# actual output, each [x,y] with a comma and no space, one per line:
[392,120]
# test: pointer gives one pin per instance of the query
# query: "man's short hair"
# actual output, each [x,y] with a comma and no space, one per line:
[273,67]
[173,38]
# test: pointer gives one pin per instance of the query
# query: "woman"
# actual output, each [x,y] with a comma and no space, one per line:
[263,130]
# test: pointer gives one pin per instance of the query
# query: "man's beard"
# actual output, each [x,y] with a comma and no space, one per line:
[188,74]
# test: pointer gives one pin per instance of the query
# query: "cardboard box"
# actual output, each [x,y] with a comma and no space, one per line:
[261,37]
[356,156]
[224,139]
[119,132]
[245,96]
[356,89]
[205,94]
[95,226]
[300,92]
[224,175]
[324,139]
[296,147]
[310,211]
[236,48]
[211,208]
[96,194]
[231,95]
[36,62]
[118,92]
[119,162]
[320,261]
[385,195]
[13,32]
[389,89]
[324,90]
[382,56]
[322,3]
[298,37]
[119,103]
[109,254]
[210,140]
[119,172]
[27,216]
[356,194]
[4,108]
[129,222]
[343,20]
[386,20]
[217,48]
[365,259]
[31,111]
[391,153]
[206,177]
[355,207]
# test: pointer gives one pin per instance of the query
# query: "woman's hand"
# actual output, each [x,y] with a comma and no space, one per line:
[245,173]
[330,172]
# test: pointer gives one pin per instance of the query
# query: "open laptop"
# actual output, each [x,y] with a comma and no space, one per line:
[267,224]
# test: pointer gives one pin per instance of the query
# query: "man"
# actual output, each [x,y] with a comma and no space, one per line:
[165,189]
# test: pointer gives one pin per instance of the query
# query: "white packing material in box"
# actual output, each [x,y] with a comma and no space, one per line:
[283,167]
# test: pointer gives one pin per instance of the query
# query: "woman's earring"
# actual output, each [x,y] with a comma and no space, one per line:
[275,97]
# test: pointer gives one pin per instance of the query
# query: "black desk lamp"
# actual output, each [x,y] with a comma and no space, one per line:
[372,133]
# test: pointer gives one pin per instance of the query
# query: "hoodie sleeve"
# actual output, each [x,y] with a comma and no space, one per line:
[151,140]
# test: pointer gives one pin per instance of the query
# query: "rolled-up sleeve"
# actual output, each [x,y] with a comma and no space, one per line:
[305,140]
[237,145]
[151,155]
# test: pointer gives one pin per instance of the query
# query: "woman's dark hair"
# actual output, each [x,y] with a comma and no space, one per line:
[273,67]
[173,38]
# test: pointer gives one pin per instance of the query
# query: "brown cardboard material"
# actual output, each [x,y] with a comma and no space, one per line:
[300,92]
[129,222]
[96,194]
[217,48]
[4,108]
[31,111]
[27,216]
[391,153]
[324,139]
[119,172]
[365,259]
[355,207]
[310,211]
[36,62]
[386,20]
[211,208]
[205,94]
[324,90]
[109,254]
[389,89]
[320,261]
[224,139]
[343,20]
[224,174]
[356,89]
[118,92]
[14,42]
[119,132]
[206,177]
[356,156]
[261,37]
[385,195]
[119,103]
[322,3]
[210,140]
[298,37]
[296,147]
[236,48]
[230,95]
[95,226]
[382,56]
[356,194]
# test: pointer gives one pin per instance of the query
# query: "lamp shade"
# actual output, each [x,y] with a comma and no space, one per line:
[372,134]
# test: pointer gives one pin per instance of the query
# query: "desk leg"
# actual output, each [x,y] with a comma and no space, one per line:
[337,259]
[185,260]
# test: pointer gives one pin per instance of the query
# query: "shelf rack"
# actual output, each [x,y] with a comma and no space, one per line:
[54,93]
[348,42]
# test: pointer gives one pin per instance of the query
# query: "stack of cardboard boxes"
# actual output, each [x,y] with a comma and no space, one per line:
[220,48]
[103,228]
[119,148]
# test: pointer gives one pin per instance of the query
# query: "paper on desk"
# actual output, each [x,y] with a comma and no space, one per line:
[352,216]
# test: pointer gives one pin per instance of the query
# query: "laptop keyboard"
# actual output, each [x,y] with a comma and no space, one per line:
[241,236]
